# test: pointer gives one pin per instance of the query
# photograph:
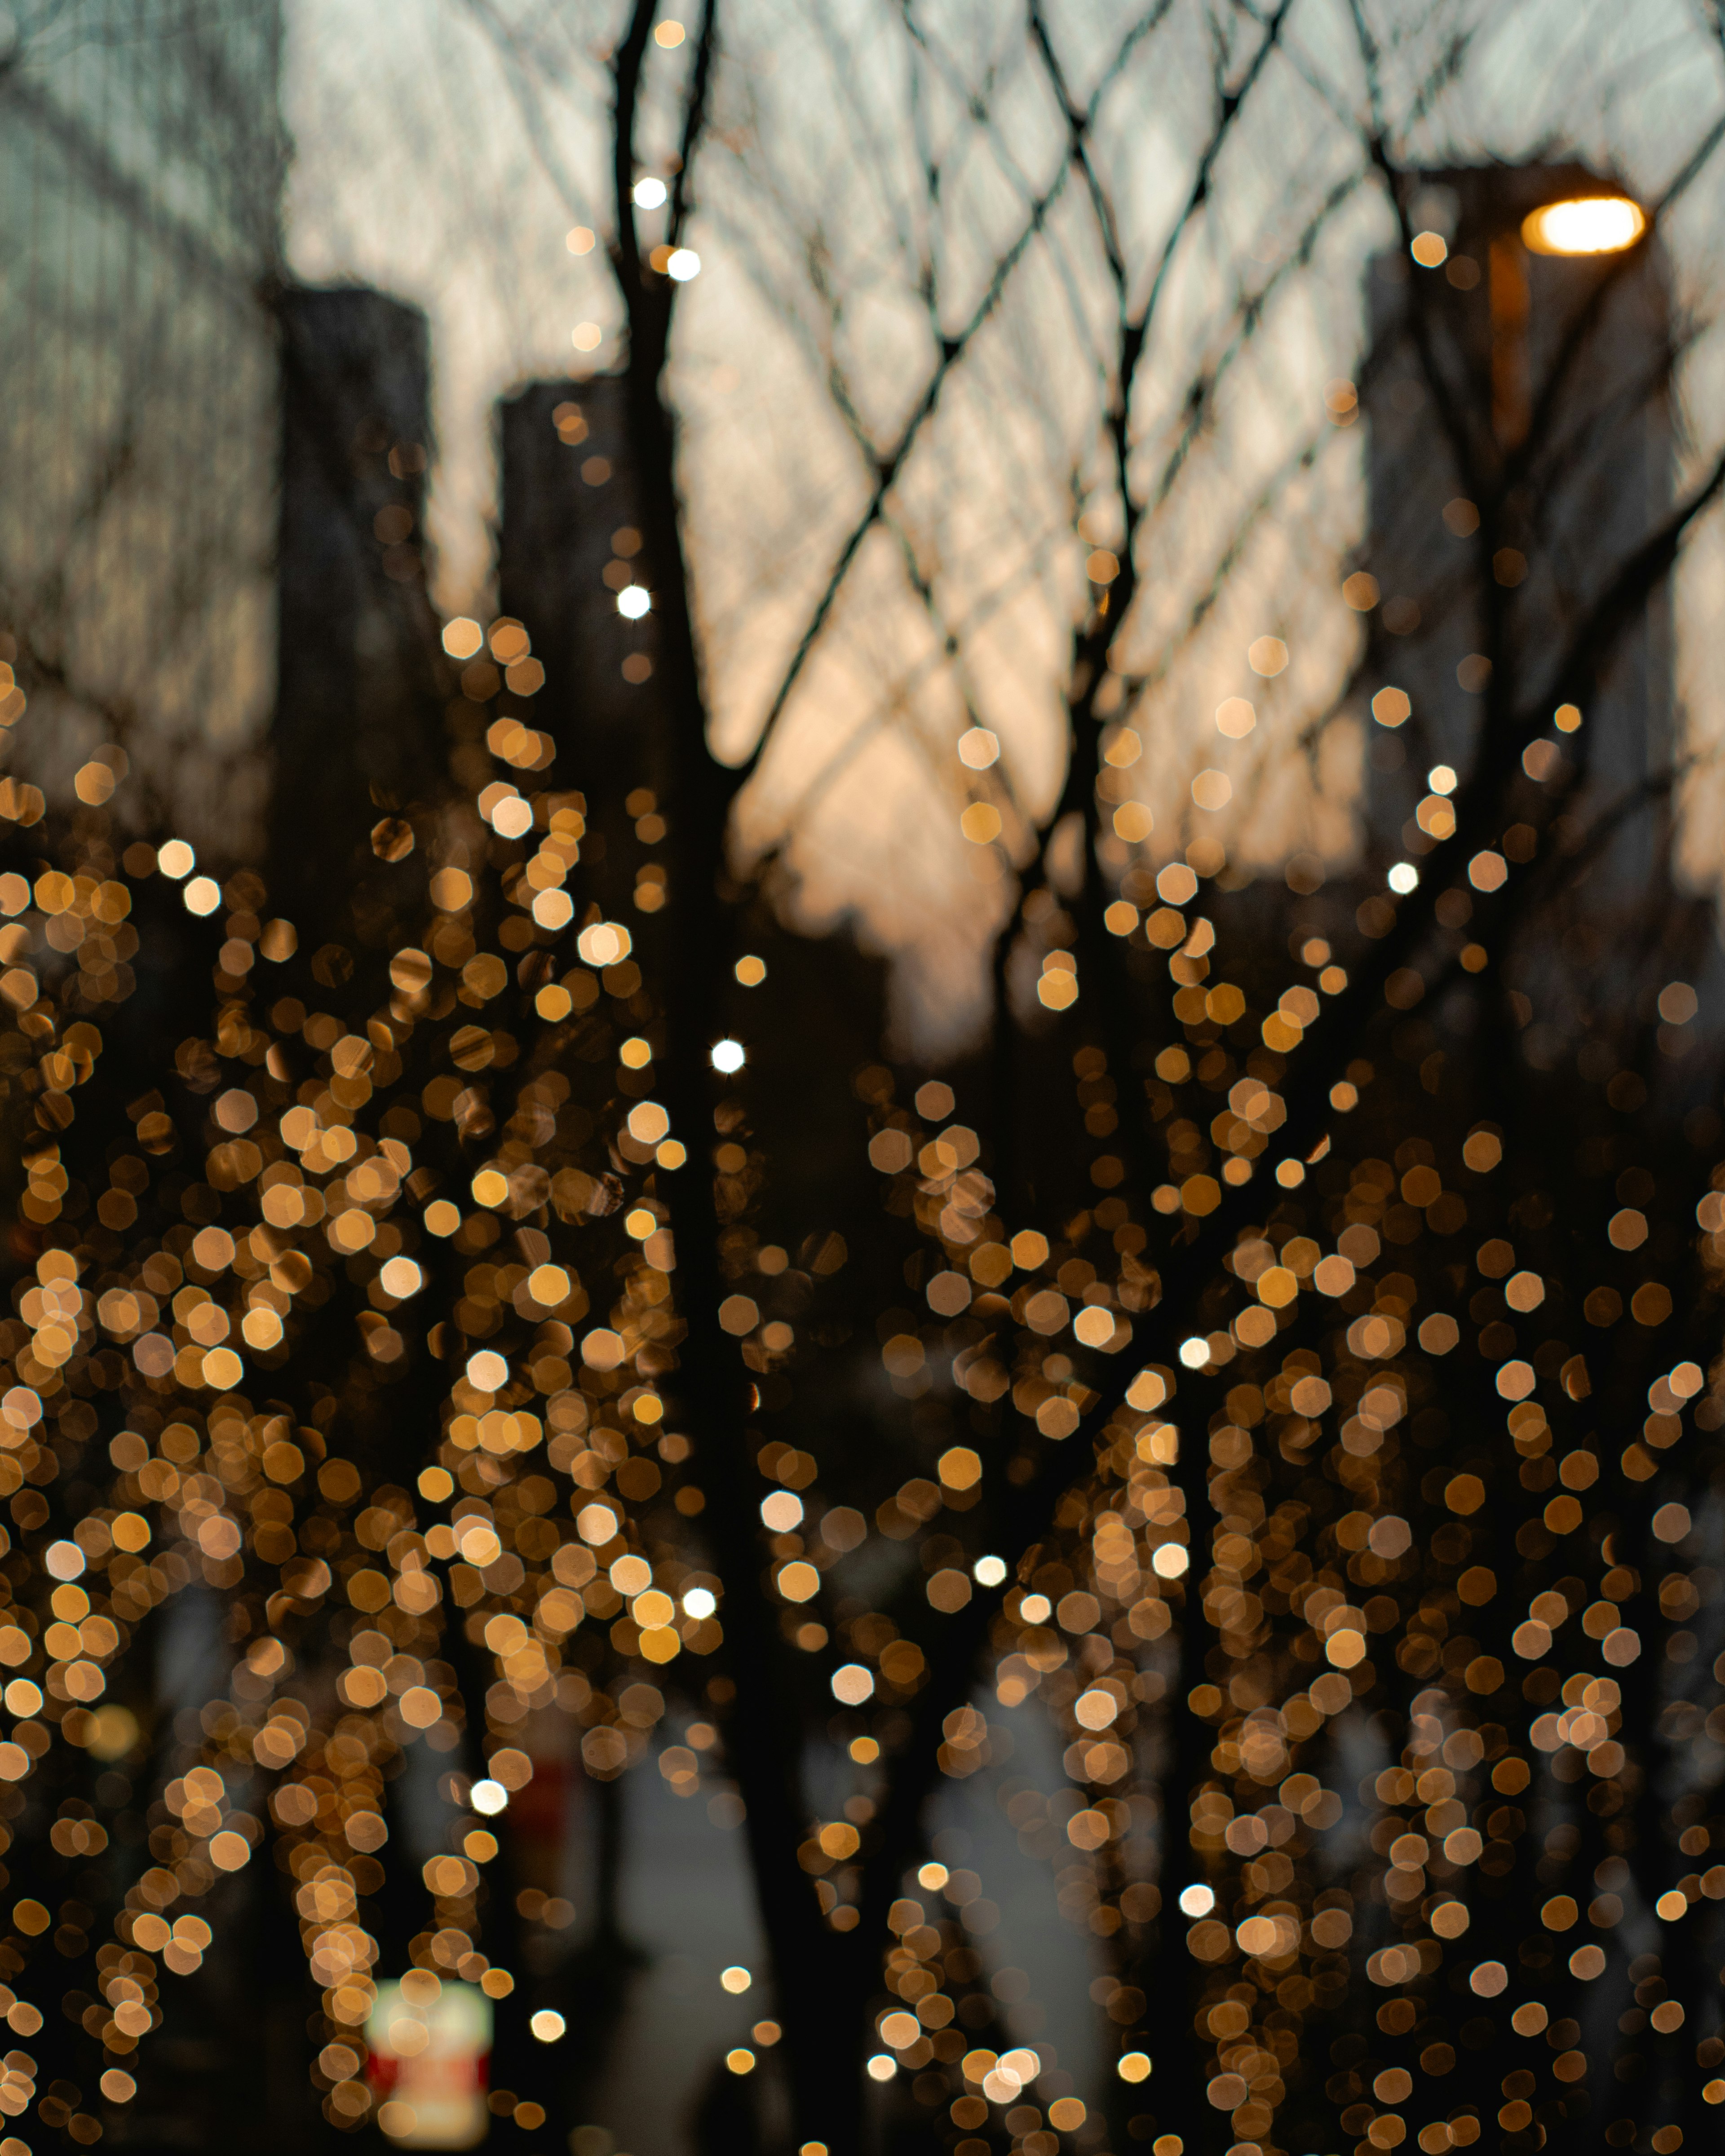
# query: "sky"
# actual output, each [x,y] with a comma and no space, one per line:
[446,149]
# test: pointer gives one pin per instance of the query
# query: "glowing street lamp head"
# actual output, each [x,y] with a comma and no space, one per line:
[1589,225]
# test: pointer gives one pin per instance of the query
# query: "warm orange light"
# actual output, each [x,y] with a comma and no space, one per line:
[1592,224]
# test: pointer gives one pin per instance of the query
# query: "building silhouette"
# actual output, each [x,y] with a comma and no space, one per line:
[567,545]
[141,172]
[357,734]
[1520,452]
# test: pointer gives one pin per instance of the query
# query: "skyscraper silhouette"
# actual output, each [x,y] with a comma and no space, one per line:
[1520,452]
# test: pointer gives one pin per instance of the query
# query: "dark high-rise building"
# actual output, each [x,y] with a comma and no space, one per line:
[358,731]
[141,156]
[568,550]
[1520,454]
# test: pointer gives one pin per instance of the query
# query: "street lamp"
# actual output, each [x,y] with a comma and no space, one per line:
[1586,225]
